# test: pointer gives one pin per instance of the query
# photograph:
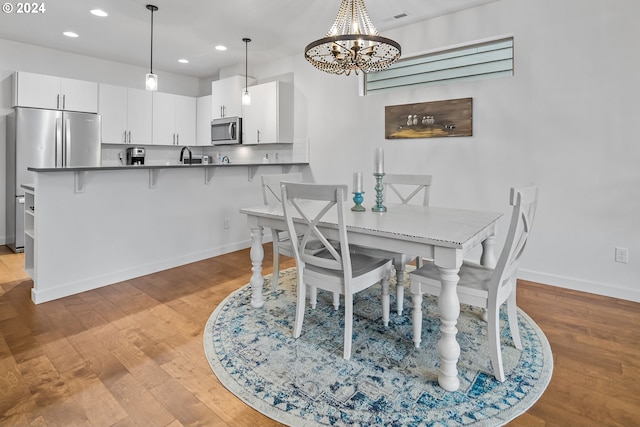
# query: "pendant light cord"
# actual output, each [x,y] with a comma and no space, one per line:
[151,62]
[152,8]
[246,41]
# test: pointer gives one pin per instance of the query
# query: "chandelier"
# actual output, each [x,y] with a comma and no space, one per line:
[352,44]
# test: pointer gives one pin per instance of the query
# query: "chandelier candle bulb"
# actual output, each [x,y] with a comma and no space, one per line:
[379,161]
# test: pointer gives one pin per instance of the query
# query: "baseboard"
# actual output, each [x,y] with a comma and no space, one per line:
[50,294]
[580,285]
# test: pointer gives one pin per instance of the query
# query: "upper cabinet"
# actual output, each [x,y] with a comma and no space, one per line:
[174,119]
[126,115]
[203,120]
[226,96]
[54,93]
[269,117]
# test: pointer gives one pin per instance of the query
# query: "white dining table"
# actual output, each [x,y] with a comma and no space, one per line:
[442,234]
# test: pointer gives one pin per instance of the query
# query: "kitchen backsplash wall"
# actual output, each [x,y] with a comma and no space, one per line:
[298,152]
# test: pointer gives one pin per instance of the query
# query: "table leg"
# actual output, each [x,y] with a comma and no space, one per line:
[448,347]
[416,317]
[257,255]
[488,257]
[399,266]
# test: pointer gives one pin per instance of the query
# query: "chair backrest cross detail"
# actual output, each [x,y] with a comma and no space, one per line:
[406,187]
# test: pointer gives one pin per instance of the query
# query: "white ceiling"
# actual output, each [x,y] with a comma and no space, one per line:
[191,28]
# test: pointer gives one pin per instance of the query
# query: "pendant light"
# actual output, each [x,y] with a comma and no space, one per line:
[246,96]
[152,79]
[352,44]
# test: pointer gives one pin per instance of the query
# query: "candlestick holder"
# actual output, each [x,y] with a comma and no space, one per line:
[379,207]
[358,199]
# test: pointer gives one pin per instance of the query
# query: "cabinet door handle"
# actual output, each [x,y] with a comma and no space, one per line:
[177,139]
[64,101]
[258,135]
[129,137]
[58,101]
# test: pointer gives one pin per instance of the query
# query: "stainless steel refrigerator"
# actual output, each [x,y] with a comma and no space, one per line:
[44,139]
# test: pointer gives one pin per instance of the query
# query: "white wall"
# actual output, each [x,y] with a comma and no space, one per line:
[565,121]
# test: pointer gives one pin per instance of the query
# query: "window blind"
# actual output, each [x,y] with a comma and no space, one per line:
[474,62]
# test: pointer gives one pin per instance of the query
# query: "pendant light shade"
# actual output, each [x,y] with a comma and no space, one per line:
[152,79]
[246,96]
[352,44]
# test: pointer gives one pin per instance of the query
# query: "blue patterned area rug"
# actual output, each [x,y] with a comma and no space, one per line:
[387,382]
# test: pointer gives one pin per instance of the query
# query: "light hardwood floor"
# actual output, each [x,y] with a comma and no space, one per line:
[131,354]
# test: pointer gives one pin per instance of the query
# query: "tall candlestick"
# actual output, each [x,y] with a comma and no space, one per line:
[379,161]
[357,182]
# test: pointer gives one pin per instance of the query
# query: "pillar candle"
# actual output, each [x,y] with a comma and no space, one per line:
[357,182]
[379,162]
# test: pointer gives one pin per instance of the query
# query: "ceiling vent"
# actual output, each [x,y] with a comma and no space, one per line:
[395,17]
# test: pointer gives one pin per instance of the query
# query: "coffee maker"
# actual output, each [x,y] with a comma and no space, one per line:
[135,156]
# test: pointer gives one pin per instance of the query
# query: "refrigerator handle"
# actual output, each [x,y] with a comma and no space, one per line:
[67,141]
[58,145]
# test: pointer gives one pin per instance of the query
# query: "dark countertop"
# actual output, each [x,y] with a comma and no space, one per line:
[131,167]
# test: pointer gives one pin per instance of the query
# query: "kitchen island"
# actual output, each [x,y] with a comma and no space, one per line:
[88,227]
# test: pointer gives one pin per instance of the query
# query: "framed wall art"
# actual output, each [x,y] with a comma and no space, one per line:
[453,117]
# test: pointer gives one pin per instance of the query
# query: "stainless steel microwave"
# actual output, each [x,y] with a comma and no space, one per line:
[226,131]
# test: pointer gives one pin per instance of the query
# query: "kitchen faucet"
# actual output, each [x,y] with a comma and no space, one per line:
[186,147]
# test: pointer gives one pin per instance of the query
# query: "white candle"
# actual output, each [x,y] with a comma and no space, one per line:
[357,182]
[379,162]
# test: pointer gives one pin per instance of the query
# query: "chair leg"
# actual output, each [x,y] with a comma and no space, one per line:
[348,325]
[385,301]
[399,266]
[416,316]
[313,296]
[301,301]
[493,334]
[275,277]
[512,312]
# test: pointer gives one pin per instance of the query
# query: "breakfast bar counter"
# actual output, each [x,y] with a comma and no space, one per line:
[89,227]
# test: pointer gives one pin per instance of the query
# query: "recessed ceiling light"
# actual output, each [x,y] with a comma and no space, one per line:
[220,47]
[70,34]
[183,61]
[99,12]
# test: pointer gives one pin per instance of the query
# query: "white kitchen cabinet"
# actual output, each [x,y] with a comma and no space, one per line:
[126,115]
[226,96]
[54,93]
[174,119]
[203,120]
[185,120]
[269,117]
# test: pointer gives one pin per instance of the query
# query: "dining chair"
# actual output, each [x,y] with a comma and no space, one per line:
[271,194]
[406,187]
[484,287]
[336,268]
